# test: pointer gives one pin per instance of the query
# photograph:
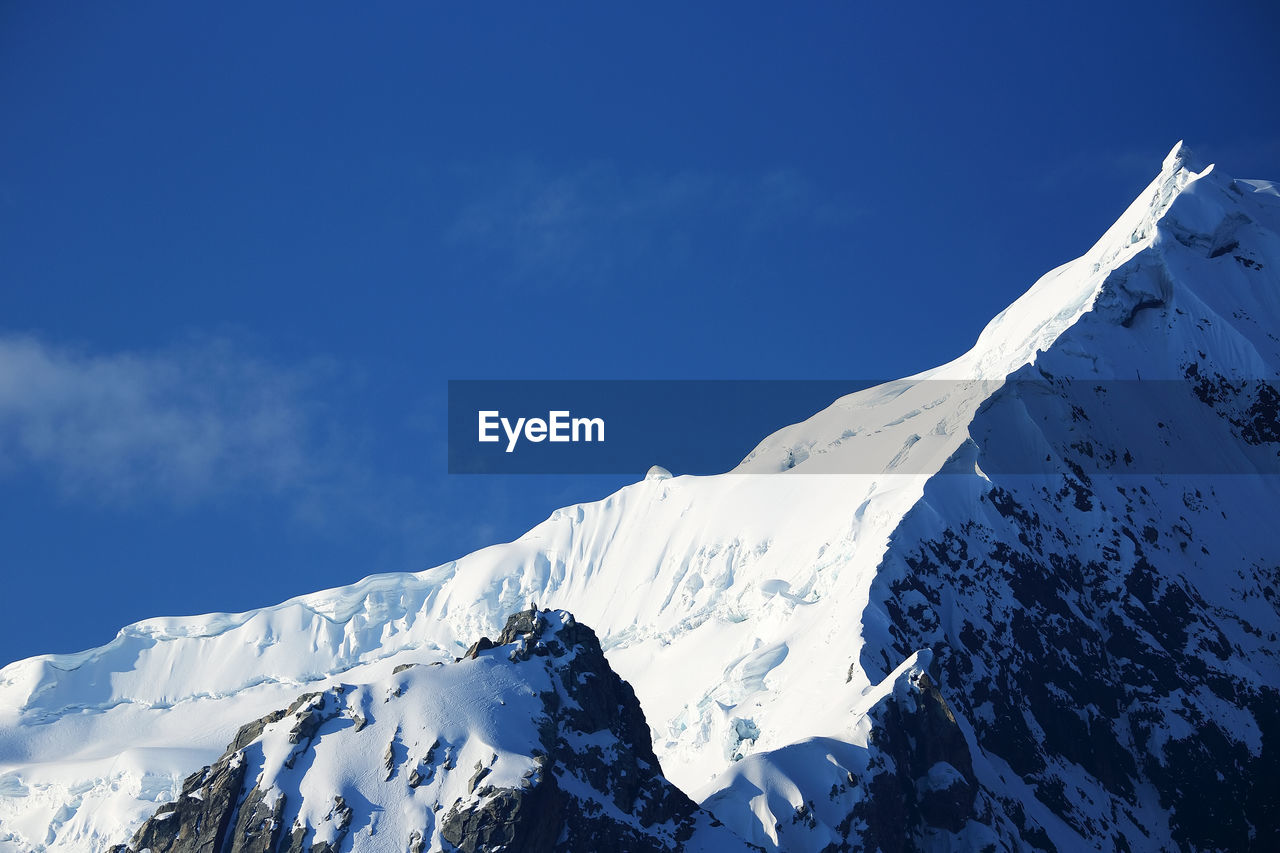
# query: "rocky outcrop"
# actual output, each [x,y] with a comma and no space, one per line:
[588,780]
[1106,637]
[639,810]
[197,821]
[212,798]
[514,819]
[904,781]
[920,774]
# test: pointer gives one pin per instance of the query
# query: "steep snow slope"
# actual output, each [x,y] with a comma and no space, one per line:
[765,608]
[1096,577]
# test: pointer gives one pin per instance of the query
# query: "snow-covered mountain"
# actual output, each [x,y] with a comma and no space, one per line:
[519,743]
[1046,619]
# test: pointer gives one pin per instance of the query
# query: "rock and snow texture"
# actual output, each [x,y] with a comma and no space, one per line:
[529,743]
[1026,596]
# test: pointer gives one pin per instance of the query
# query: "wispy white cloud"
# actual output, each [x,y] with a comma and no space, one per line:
[182,424]
[592,220]
[210,424]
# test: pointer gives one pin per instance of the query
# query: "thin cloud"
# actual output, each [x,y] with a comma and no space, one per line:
[182,424]
[210,423]
[588,222]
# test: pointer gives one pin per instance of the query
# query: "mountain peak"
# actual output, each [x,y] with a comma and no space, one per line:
[1062,296]
[1102,635]
[1182,159]
[1136,304]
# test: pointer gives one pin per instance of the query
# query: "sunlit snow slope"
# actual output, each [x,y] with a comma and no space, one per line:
[527,739]
[775,607]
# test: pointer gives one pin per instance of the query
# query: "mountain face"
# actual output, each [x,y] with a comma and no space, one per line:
[1028,600]
[531,743]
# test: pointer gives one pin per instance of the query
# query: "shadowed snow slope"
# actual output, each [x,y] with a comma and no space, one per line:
[1095,598]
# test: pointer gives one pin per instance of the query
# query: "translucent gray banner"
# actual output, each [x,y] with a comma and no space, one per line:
[1197,425]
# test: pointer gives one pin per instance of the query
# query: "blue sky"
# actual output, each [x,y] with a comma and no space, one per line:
[242,251]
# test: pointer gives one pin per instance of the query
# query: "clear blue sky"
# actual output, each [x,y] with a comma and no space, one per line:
[241,251]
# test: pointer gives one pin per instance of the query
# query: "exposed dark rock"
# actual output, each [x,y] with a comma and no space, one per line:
[609,795]
[1140,306]
[340,816]
[259,824]
[481,645]
[589,698]
[249,733]
[295,842]
[517,819]
[200,819]
[1070,686]
[920,774]
[197,821]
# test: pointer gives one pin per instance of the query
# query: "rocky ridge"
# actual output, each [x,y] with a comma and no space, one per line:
[586,779]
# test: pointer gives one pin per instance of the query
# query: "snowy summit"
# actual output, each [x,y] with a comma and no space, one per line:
[1026,599]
